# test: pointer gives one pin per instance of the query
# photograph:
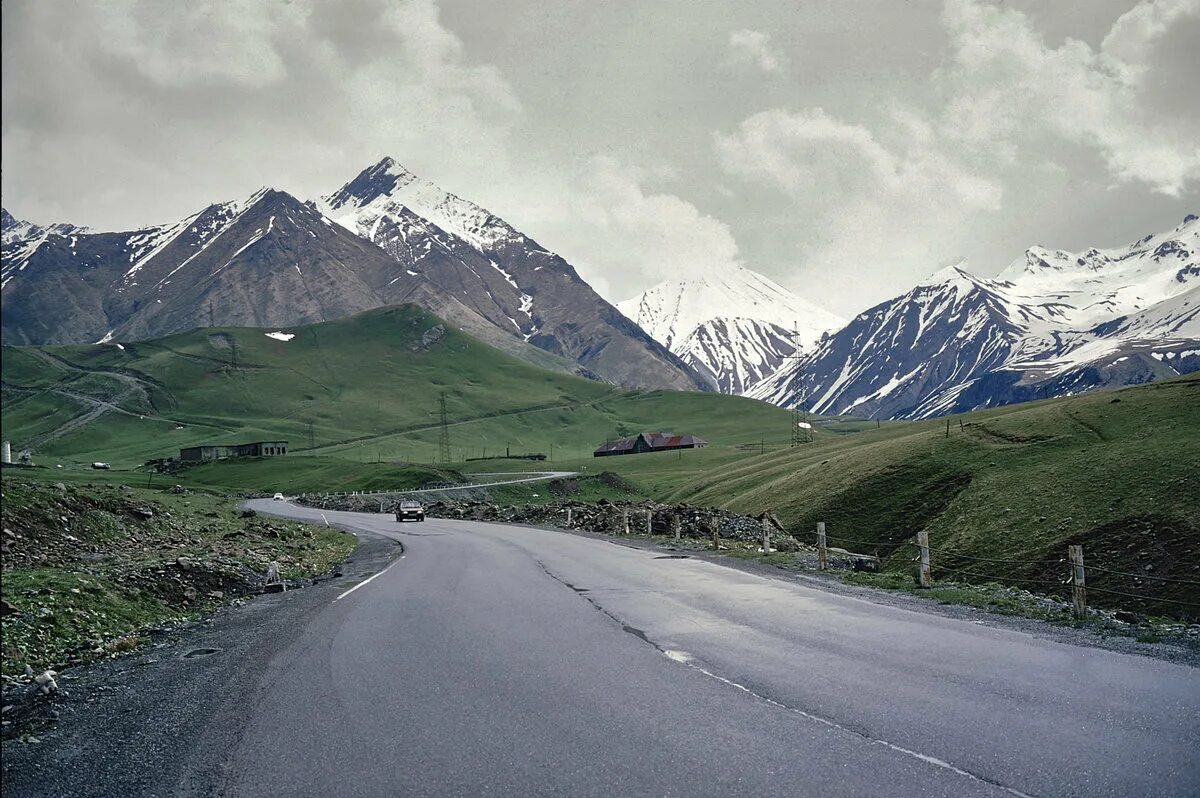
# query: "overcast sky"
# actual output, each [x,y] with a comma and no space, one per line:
[845,149]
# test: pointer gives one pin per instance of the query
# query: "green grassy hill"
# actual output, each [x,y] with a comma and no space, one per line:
[1002,494]
[1118,472]
[364,388]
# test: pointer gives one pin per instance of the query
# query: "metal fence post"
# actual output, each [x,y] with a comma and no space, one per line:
[1078,577]
[923,543]
[822,551]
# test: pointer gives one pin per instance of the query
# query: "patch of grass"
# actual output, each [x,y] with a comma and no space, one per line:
[312,474]
[62,611]
[86,569]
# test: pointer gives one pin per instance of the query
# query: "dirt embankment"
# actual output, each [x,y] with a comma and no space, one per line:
[88,569]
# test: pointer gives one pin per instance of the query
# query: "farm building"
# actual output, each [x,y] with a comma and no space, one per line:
[650,442]
[219,452]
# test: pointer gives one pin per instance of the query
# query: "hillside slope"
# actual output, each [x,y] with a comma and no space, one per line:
[1113,471]
[365,388]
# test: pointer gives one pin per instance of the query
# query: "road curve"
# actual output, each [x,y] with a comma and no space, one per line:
[502,660]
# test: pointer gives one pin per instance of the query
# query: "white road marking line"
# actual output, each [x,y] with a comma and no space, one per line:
[365,581]
[686,659]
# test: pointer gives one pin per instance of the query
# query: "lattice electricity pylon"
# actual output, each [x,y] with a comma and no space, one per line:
[444,436]
[801,429]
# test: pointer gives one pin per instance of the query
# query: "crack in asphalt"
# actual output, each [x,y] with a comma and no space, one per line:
[686,659]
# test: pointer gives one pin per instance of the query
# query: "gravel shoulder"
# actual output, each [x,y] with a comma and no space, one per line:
[167,716]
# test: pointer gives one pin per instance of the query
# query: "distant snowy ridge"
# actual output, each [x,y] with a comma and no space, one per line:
[736,327]
[1052,323]
[20,239]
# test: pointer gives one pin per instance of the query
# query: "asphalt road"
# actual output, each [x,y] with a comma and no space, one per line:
[503,660]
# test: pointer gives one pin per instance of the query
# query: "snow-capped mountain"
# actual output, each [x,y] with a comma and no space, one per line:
[1052,323]
[737,327]
[501,274]
[271,260]
[263,260]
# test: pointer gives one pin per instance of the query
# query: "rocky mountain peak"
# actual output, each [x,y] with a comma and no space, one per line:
[381,179]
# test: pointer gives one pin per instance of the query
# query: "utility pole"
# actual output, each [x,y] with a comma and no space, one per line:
[444,436]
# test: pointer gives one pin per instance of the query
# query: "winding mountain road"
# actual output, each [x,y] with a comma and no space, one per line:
[496,659]
[492,659]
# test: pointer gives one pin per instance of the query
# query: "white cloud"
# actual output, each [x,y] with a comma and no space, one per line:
[857,203]
[900,195]
[171,111]
[802,151]
[1005,88]
[621,235]
[206,40]
[753,48]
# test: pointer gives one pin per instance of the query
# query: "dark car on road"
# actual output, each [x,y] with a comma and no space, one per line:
[410,511]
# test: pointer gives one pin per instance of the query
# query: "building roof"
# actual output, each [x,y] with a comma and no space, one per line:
[655,440]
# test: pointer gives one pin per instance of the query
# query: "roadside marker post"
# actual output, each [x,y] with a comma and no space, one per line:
[926,578]
[1078,577]
[625,521]
[649,523]
[766,532]
[568,517]
[716,534]
[676,527]
[822,551]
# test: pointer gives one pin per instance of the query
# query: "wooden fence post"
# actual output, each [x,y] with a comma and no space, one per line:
[1078,590]
[822,551]
[676,526]
[716,534]
[926,578]
[766,532]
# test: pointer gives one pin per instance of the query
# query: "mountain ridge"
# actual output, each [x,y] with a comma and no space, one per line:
[271,259]
[1050,324]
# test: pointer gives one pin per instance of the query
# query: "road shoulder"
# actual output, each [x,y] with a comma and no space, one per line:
[167,716]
